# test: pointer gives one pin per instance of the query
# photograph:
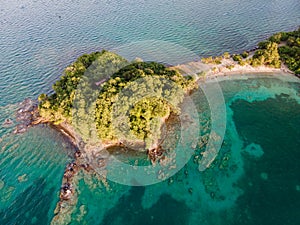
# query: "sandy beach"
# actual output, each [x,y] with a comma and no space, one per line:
[204,71]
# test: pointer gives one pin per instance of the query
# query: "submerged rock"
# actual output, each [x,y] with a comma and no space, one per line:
[102,154]
[264,176]
[22,178]
[26,116]
[34,220]
[21,128]
[254,150]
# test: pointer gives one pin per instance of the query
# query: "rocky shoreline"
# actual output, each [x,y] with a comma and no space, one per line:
[28,116]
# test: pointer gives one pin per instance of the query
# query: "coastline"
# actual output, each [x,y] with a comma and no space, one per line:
[84,152]
[88,157]
[214,71]
[28,115]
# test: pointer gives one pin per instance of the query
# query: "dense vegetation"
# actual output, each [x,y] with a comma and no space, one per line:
[102,88]
[290,52]
[57,106]
[149,91]
[280,47]
[267,55]
[79,88]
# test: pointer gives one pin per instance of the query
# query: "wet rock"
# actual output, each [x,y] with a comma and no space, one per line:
[66,186]
[65,194]
[86,167]
[7,123]
[27,115]
[77,154]
[68,174]
[72,167]
[70,171]
[66,191]
[155,153]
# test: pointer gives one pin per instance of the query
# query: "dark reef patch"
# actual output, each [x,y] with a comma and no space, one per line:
[130,211]
[270,182]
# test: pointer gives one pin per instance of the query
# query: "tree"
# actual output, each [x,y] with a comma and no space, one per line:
[237,58]
[245,54]
[134,99]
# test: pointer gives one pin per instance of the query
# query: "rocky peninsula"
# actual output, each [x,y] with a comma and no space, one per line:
[101,79]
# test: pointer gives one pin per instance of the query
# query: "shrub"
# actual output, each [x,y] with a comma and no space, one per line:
[230,67]
[276,38]
[237,58]
[245,54]
[242,63]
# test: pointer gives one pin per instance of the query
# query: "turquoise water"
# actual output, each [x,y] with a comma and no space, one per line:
[258,185]
[254,179]
[32,165]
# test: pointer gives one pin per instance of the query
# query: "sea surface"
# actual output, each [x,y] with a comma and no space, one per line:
[255,178]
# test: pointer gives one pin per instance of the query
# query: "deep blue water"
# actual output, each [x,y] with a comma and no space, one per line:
[38,39]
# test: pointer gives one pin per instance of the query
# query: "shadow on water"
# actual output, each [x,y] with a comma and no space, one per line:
[271,182]
[130,211]
[30,207]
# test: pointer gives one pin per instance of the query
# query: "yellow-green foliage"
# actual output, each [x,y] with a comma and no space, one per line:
[242,63]
[237,58]
[271,54]
[267,55]
[58,106]
[226,55]
[230,67]
[136,80]
[211,60]
[290,53]
[145,116]
[245,54]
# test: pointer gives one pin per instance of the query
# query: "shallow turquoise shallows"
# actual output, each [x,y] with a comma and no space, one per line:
[258,184]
